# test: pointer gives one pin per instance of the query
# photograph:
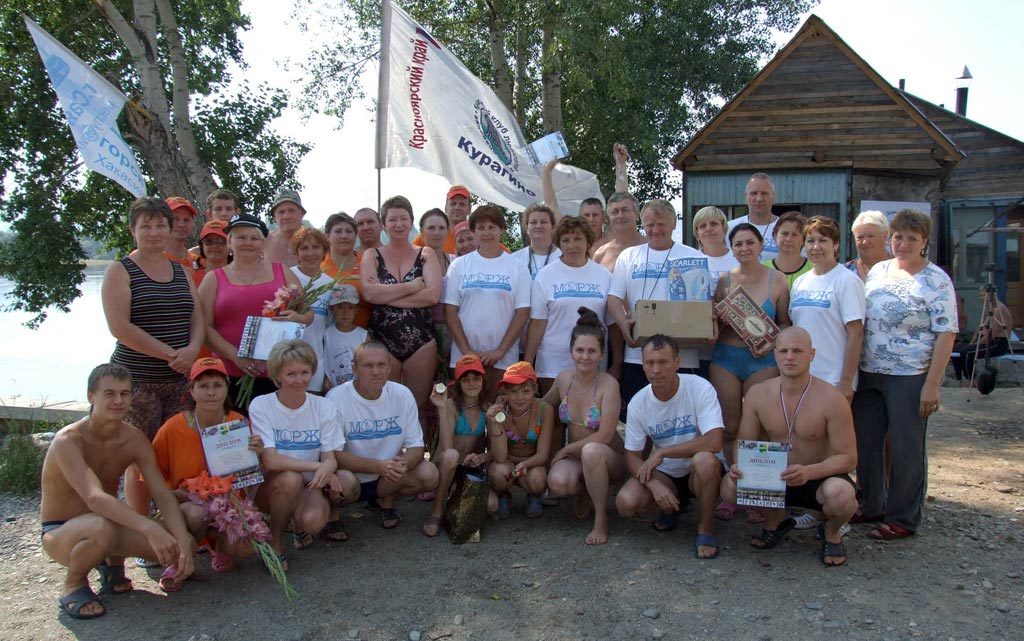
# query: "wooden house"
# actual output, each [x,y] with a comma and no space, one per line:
[833,133]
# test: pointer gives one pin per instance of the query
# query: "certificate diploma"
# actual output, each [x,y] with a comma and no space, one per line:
[226,447]
[260,334]
[762,464]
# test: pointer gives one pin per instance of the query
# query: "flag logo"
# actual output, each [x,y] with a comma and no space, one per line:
[496,136]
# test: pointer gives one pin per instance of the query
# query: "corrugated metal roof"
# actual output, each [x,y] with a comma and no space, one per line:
[729,188]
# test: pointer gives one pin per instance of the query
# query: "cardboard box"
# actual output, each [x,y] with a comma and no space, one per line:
[685,320]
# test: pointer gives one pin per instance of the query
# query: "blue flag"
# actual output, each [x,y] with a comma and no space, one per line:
[91,105]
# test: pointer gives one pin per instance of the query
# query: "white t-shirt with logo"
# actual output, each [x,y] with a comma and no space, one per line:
[377,429]
[314,332]
[692,412]
[823,305]
[770,249]
[301,433]
[533,263]
[641,273]
[558,292]
[717,265]
[339,351]
[488,291]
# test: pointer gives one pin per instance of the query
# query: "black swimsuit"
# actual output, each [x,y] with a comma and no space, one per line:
[402,331]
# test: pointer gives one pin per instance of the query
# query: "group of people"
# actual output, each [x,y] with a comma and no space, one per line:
[441,352]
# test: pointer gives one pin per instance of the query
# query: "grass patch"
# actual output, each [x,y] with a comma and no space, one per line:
[21,461]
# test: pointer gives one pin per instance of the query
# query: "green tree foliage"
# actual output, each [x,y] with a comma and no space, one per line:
[193,124]
[646,73]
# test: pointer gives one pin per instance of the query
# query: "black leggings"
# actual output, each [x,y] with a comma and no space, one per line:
[963,362]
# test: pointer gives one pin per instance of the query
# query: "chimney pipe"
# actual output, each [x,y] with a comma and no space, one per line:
[961,92]
[903,84]
[961,101]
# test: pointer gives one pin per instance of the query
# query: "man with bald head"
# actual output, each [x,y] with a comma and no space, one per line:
[815,419]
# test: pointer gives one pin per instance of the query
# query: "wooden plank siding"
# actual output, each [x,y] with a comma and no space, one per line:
[817,105]
[994,166]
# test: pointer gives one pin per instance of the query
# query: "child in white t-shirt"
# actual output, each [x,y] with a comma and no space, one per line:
[342,337]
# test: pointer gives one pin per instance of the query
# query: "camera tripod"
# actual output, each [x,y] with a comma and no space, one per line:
[989,320]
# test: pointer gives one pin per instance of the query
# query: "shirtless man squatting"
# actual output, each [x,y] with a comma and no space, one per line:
[84,525]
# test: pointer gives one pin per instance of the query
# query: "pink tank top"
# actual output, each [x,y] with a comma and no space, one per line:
[234,303]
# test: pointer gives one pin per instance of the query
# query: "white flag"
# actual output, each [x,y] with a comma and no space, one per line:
[91,105]
[434,115]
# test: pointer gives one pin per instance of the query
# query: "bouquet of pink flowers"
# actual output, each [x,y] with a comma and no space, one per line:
[284,298]
[237,519]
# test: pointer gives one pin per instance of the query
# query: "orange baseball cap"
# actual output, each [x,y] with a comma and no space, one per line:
[214,228]
[468,363]
[458,190]
[461,227]
[204,365]
[177,202]
[518,373]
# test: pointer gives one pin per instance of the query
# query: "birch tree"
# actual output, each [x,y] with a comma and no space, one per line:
[193,124]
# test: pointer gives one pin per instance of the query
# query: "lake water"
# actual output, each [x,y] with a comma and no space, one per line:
[54,361]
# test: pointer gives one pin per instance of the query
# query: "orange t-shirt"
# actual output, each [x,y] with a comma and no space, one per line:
[350,277]
[190,261]
[449,244]
[179,451]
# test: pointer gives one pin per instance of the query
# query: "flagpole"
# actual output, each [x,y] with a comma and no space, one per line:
[383,83]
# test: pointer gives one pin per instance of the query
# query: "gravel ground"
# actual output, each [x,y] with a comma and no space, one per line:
[960,578]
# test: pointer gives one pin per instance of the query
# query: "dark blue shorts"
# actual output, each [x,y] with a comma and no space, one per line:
[368,491]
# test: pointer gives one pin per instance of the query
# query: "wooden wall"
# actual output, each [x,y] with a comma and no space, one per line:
[994,165]
[818,105]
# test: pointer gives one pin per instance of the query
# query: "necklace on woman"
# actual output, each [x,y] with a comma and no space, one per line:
[193,420]
[469,406]
[240,279]
[533,265]
[511,434]
[528,410]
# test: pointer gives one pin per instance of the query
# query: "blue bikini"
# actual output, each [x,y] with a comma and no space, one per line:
[462,427]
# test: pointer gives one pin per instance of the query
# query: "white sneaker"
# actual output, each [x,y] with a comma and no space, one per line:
[807,520]
[844,529]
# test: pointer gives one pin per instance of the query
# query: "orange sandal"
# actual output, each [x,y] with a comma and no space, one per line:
[889,532]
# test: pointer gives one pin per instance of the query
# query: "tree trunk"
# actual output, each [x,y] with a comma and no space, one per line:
[499,65]
[522,77]
[198,175]
[167,143]
[551,75]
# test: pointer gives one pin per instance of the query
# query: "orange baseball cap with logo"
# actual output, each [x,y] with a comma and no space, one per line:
[177,202]
[468,363]
[204,365]
[518,373]
[214,228]
[458,190]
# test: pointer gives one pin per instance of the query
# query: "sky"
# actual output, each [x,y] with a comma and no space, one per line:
[926,42]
